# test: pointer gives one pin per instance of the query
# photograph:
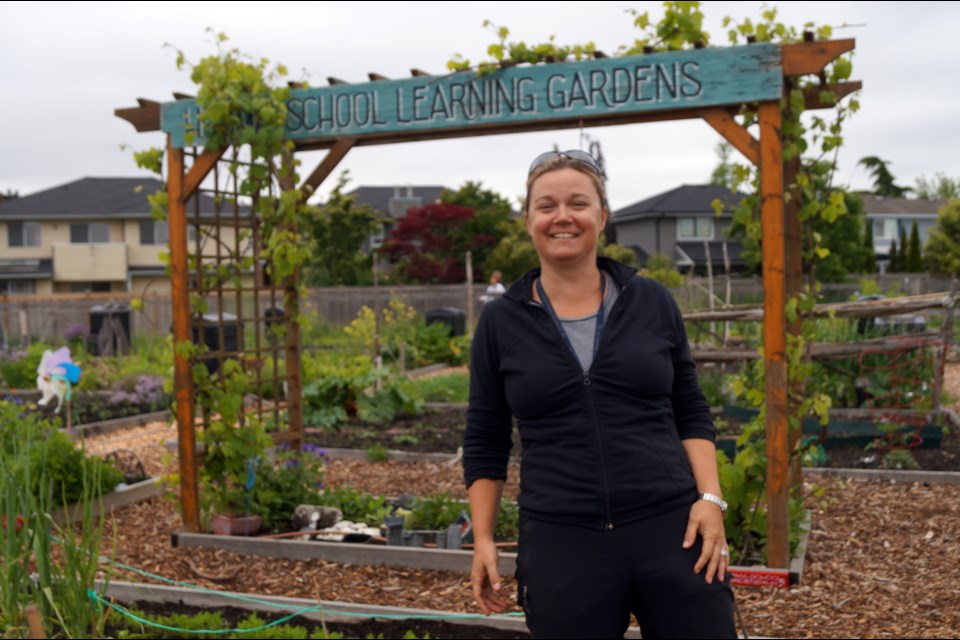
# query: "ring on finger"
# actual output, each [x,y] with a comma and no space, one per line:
[724,553]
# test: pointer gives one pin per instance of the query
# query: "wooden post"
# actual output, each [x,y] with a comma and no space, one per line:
[469,293]
[709,261]
[291,304]
[182,376]
[728,294]
[775,334]
[793,280]
[377,358]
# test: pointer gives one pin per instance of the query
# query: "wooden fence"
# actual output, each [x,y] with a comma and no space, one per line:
[48,318]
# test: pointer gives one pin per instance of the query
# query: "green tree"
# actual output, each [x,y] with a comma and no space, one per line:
[894,258]
[869,252]
[490,221]
[914,260]
[940,187]
[336,233]
[943,247]
[844,241]
[724,173]
[514,254]
[883,180]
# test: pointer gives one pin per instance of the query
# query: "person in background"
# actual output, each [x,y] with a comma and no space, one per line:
[620,501]
[495,289]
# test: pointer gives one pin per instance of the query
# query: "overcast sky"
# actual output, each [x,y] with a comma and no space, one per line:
[65,67]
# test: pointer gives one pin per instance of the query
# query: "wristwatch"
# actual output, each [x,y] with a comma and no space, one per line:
[717,500]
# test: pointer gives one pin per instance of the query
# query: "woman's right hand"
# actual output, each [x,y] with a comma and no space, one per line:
[485,577]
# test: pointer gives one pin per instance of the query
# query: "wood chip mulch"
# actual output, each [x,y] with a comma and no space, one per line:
[882,562]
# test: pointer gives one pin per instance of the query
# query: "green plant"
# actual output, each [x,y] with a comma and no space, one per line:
[279,488]
[30,572]
[451,387]
[356,505]
[18,365]
[435,512]
[376,453]
[899,459]
[508,521]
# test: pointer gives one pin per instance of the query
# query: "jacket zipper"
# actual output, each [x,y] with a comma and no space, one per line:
[608,509]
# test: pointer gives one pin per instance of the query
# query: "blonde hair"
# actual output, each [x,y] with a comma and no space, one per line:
[564,162]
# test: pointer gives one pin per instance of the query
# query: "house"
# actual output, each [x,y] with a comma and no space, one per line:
[93,234]
[393,203]
[893,218]
[683,225]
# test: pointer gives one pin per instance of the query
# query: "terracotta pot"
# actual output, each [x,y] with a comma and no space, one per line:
[236,525]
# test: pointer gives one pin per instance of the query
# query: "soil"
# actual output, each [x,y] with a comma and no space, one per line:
[440,429]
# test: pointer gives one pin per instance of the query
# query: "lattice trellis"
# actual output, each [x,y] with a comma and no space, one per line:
[246,315]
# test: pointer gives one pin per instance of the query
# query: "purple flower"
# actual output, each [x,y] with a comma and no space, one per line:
[75,332]
[314,450]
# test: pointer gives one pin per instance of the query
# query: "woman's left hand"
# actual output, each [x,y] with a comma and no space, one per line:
[706,519]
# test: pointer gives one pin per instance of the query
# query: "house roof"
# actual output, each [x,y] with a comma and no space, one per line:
[380,197]
[883,205]
[94,198]
[685,199]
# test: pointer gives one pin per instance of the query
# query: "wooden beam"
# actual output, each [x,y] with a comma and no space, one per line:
[183,96]
[775,335]
[736,135]
[334,81]
[375,77]
[417,73]
[201,168]
[144,118]
[812,95]
[182,375]
[862,309]
[801,58]
[326,166]
[825,350]
[793,284]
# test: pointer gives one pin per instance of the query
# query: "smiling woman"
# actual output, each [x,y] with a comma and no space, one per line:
[619,487]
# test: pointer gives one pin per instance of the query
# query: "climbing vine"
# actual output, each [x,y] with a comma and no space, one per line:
[242,107]
[813,141]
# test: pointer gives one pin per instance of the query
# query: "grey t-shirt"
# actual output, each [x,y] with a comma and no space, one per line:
[581,331]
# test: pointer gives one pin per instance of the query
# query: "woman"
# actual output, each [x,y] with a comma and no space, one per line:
[620,498]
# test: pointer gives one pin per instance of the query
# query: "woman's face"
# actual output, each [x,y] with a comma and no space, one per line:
[565,217]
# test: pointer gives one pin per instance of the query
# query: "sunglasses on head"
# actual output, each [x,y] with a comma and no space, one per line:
[573,154]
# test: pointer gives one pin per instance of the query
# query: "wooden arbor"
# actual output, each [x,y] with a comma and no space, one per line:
[710,84]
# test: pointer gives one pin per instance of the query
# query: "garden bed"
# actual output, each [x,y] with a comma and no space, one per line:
[876,565]
[352,619]
[440,429]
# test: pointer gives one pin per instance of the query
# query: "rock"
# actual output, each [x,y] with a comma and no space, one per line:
[315,516]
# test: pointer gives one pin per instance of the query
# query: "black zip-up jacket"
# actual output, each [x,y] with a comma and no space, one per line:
[602,447]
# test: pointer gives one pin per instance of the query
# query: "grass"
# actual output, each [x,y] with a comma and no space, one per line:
[451,387]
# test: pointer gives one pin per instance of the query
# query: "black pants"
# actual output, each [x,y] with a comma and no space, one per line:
[576,582]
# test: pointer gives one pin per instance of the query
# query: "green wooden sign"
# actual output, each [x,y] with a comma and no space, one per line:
[518,95]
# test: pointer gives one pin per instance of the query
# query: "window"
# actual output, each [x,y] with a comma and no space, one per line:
[23,234]
[17,286]
[695,228]
[90,233]
[155,232]
[885,230]
[84,287]
[377,237]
